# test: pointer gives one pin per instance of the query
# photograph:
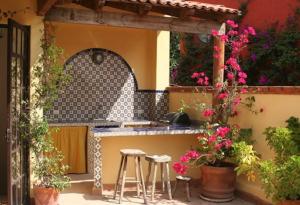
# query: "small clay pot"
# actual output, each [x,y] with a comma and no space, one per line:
[290,202]
[45,196]
[218,183]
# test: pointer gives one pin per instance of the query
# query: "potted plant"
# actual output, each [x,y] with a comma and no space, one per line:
[281,177]
[223,151]
[49,77]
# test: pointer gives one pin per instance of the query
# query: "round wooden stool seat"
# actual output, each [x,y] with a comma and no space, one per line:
[132,152]
[158,158]
[184,178]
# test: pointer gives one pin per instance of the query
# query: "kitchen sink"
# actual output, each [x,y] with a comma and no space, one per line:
[143,124]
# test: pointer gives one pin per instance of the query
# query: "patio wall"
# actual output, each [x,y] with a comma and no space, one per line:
[278,107]
[146,51]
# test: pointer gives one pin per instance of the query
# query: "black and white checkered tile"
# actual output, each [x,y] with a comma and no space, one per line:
[107,90]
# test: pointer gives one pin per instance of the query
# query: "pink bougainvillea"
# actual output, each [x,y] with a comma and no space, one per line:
[216,142]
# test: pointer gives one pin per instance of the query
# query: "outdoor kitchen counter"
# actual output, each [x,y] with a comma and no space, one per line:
[107,142]
[166,130]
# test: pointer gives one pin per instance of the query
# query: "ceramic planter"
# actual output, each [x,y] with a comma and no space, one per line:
[217,183]
[290,202]
[45,196]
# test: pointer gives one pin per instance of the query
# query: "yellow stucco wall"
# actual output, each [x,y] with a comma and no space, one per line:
[277,109]
[173,145]
[146,51]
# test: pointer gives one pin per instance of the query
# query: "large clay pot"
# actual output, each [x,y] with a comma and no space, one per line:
[290,202]
[45,196]
[218,183]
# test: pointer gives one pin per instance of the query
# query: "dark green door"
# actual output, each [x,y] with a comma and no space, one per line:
[18,92]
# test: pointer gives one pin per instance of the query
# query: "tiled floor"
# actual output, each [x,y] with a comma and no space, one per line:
[80,194]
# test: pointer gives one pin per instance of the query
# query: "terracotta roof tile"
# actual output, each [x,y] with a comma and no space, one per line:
[190,4]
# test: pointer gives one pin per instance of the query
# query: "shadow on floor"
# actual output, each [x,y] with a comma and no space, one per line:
[80,193]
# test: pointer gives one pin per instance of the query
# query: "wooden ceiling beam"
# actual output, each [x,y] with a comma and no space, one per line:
[44,6]
[144,9]
[82,16]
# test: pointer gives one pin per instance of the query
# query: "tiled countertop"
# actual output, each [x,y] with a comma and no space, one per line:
[131,131]
[167,130]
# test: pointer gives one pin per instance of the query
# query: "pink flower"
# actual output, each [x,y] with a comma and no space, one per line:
[216,56]
[214,32]
[180,168]
[224,38]
[237,101]
[222,131]
[218,146]
[200,81]
[233,63]
[251,30]
[227,143]
[217,49]
[230,76]
[195,75]
[243,91]
[232,33]
[184,158]
[242,75]
[242,81]
[208,112]
[212,139]
[222,96]
[192,154]
[202,74]
[219,85]
[232,24]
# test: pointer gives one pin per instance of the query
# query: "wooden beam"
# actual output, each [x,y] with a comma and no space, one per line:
[70,15]
[144,9]
[186,13]
[44,6]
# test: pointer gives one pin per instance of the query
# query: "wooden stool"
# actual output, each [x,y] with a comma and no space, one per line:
[162,160]
[187,186]
[122,179]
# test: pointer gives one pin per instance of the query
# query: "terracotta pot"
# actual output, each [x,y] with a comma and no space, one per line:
[290,202]
[218,183]
[45,196]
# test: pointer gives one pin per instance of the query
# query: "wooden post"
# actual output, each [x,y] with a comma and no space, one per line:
[218,66]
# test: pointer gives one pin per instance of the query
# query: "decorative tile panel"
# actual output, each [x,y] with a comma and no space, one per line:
[107,90]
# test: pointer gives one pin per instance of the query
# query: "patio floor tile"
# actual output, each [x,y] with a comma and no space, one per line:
[80,194]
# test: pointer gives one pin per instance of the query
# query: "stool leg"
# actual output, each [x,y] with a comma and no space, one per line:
[137,176]
[123,179]
[175,187]
[153,181]
[162,177]
[168,181]
[118,178]
[188,193]
[142,179]
[148,175]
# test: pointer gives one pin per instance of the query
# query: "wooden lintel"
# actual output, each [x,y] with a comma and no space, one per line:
[70,15]
[144,9]
[186,13]
[99,4]
[44,6]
